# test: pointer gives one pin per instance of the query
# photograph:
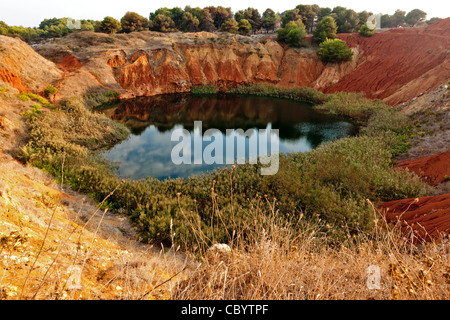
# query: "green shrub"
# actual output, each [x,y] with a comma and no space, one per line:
[244,27]
[351,104]
[334,50]
[295,93]
[24,97]
[36,109]
[365,31]
[204,90]
[326,29]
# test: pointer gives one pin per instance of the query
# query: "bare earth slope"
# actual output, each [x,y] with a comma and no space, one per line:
[396,66]
[21,67]
[400,64]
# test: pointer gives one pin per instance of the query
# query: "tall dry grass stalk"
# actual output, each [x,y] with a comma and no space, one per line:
[292,259]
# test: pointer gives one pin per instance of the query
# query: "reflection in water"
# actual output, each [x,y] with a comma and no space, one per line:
[147,151]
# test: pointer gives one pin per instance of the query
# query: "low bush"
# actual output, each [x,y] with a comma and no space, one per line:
[204,90]
[295,93]
[27,96]
[50,90]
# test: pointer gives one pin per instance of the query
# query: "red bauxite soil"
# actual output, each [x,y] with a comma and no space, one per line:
[428,217]
[415,57]
[69,63]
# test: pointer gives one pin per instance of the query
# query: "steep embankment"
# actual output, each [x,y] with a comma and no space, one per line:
[22,68]
[58,244]
[427,217]
[396,65]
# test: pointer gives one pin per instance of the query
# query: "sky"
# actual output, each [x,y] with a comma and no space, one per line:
[29,13]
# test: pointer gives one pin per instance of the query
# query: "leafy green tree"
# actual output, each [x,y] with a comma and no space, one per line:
[207,22]
[293,34]
[347,20]
[54,27]
[49,22]
[268,20]
[398,18]
[87,25]
[196,12]
[251,15]
[334,50]
[110,25]
[386,21]
[3,28]
[239,15]
[290,15]
[244,27]
[177,14]
[309,14]
[219,15]
[415,16]
[189,22]
[132,21]
[162,23]
[231,25]
[326,28]
[351,21]
[323,12]
[164,11]
[363,16]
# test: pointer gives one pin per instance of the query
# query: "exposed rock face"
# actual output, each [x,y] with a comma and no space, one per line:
[22,68]
[395,66]
[149,63]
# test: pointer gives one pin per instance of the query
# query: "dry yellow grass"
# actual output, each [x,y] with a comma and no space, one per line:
[55,245]
[284,266]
